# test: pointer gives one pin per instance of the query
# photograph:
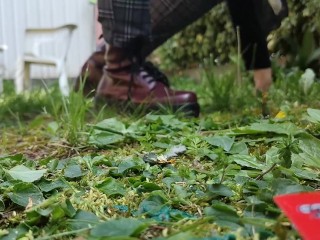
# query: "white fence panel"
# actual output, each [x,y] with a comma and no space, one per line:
[17,15]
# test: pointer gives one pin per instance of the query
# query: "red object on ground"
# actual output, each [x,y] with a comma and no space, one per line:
[303,209]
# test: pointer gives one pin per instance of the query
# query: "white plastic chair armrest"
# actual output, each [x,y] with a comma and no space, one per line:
[51,30]
[3,47]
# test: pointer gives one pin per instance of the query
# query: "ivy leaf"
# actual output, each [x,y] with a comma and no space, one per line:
[25,174]
[147,187]
[119,227]
[181,192]
[22,192]
[111,187]
[224,215]
[84,219]
[48,186]
[73,171]
[127,164]
[220,190]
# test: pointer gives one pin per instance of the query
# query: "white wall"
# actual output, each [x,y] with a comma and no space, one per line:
[17,15]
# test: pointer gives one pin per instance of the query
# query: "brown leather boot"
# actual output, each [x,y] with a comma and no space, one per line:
[126,79]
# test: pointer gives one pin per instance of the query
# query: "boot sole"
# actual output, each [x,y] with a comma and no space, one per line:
[188,109]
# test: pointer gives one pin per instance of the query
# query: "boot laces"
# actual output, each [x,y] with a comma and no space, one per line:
[155,73]
[152,74]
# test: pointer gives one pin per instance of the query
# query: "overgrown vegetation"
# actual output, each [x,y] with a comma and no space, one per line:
[298,38]
[69,170]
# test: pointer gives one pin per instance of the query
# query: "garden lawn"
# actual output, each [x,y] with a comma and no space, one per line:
[69,171]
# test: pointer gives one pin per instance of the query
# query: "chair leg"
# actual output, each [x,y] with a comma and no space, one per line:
[63,82]
[27,72]
[22,76]
[1,85]
[19,76]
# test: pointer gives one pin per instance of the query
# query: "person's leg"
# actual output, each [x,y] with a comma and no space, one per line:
[168,17]
[125,23]
[126,76]
[165,17]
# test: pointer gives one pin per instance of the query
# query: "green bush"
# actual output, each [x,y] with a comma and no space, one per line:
[213,35]
[299,35]
[210,35]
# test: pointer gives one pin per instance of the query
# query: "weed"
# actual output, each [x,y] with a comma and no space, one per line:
[26,106]
[224,92]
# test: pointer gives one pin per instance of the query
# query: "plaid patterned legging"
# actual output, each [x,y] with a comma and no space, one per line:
[152,22]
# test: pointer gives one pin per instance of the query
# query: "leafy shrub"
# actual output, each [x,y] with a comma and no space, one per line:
[210,35]
[213,34]
[299,36]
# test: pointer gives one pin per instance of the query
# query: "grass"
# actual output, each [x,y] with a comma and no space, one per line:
[69,170]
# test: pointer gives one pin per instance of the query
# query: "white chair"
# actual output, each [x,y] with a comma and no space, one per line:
[2,67]
[45,46]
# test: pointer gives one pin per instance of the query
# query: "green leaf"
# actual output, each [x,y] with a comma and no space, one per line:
[57,214]
[272,155]
[220,190]
[73,171]
[247,161]
[263,127]
[101,138]
[112,124]
[34,217]
[15,233]
[135,163]
[279,128]
[22,192]
[239,148]
[169,180]
[13,158]
[181,191]
[306,174]
[25,174]
[224,142]
[119,227]
[83,219]
[285,186]
[153,203]
[68,208]
[53,127]
[314,115]
[147,187]
[48,186]
[224,215]
[310,147]
[111,187]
